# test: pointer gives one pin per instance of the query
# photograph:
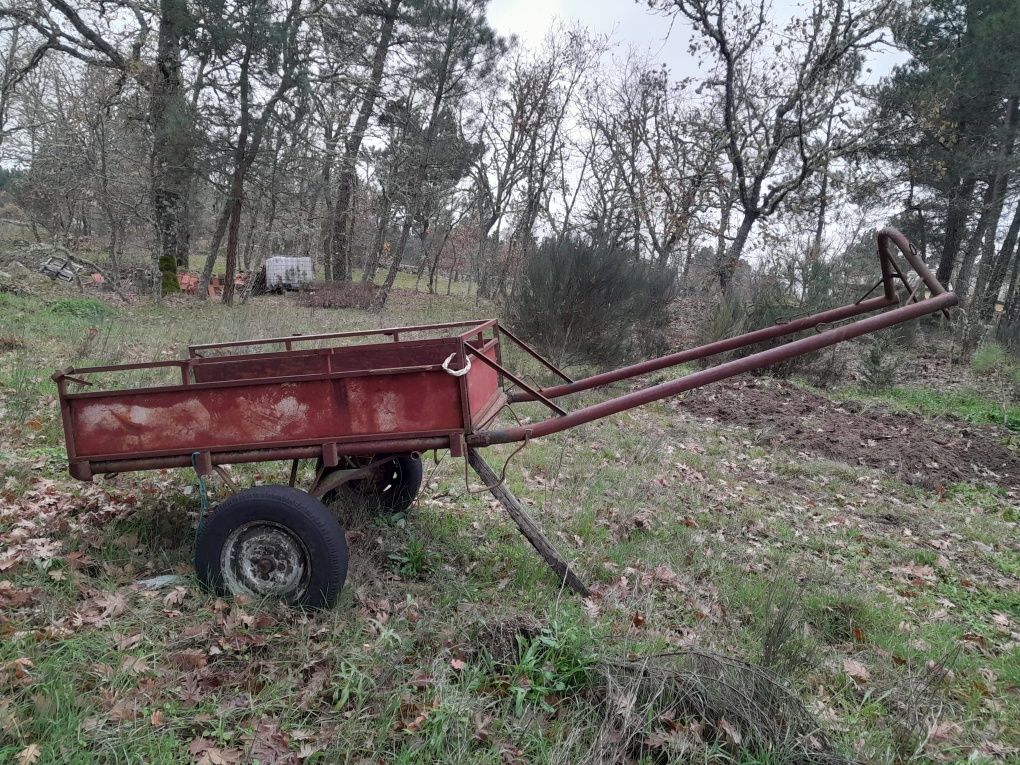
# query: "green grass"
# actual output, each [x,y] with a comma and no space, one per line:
[692,535]
[966,405]
[87,309]
[991,358]
[408,281]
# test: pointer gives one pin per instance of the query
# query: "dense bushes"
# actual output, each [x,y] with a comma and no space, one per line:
[583,304]
[792,285]
[773,296]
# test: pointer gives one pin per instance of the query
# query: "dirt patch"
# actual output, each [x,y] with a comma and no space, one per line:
[339,295]
[927,452]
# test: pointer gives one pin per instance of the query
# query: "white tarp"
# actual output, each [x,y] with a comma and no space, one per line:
[288,272]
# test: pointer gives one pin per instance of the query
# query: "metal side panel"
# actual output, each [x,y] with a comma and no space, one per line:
[185,419]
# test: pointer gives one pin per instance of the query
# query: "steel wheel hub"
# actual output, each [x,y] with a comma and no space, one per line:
[265,559]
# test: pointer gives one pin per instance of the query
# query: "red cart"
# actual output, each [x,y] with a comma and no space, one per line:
[365,411]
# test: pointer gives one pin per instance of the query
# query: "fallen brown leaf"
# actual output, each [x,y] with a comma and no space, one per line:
[731,731]
[857,671]
[189,659]
[133,665]
[128,642]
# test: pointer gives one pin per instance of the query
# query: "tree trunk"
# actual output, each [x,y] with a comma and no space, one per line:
[433,268]
[214,249]
[379,246]
[107,206]
[1008,331]
[725,215]
[249,236]
[339,242]
[233,231]
[423,260]
[995,267]
[453,271]
[326,238]
[415,202]
[728,267]
[172,157]
[956,224]
[990,278]
[343,211]
[977,240]
[398,255]
[993,272]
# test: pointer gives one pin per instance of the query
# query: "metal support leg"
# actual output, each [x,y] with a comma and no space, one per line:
[528,527]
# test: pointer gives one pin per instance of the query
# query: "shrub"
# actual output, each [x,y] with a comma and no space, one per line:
[878,366]
[590,304]
[989,359]
[766,303]
[828,368]
[787,289]
[87,308]
[725,320]
[168,283]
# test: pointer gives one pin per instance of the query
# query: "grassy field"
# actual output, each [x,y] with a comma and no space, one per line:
[405,280]
[751,604]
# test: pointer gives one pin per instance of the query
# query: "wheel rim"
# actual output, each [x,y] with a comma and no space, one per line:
[265,559]
[385,478]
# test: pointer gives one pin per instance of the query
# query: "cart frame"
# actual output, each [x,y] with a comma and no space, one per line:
[398,396]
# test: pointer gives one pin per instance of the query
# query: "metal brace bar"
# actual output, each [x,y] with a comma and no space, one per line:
[534,354]
[516,380]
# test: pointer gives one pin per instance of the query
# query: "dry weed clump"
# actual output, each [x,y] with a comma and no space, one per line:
[666,705]
[9,342]
[685,701]
[502,638]
[339,295]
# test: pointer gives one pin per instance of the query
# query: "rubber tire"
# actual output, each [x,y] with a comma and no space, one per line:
[399,497]
[302,514]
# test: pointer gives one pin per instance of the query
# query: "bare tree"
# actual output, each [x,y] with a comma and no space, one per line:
[526,121]
[775,99]
[116,38]
[665,155]
[21,51]
[255,30]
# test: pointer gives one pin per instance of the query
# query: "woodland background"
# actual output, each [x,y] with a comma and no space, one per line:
[377,137]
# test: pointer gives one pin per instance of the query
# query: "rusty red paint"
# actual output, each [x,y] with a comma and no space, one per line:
[277,399]
[483,385]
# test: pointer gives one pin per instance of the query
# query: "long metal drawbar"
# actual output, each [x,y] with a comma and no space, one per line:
[403,390]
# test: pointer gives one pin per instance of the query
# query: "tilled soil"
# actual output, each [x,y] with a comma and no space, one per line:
[927,452]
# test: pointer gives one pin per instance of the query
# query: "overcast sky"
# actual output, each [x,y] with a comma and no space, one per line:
[630,24]
[627,22]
